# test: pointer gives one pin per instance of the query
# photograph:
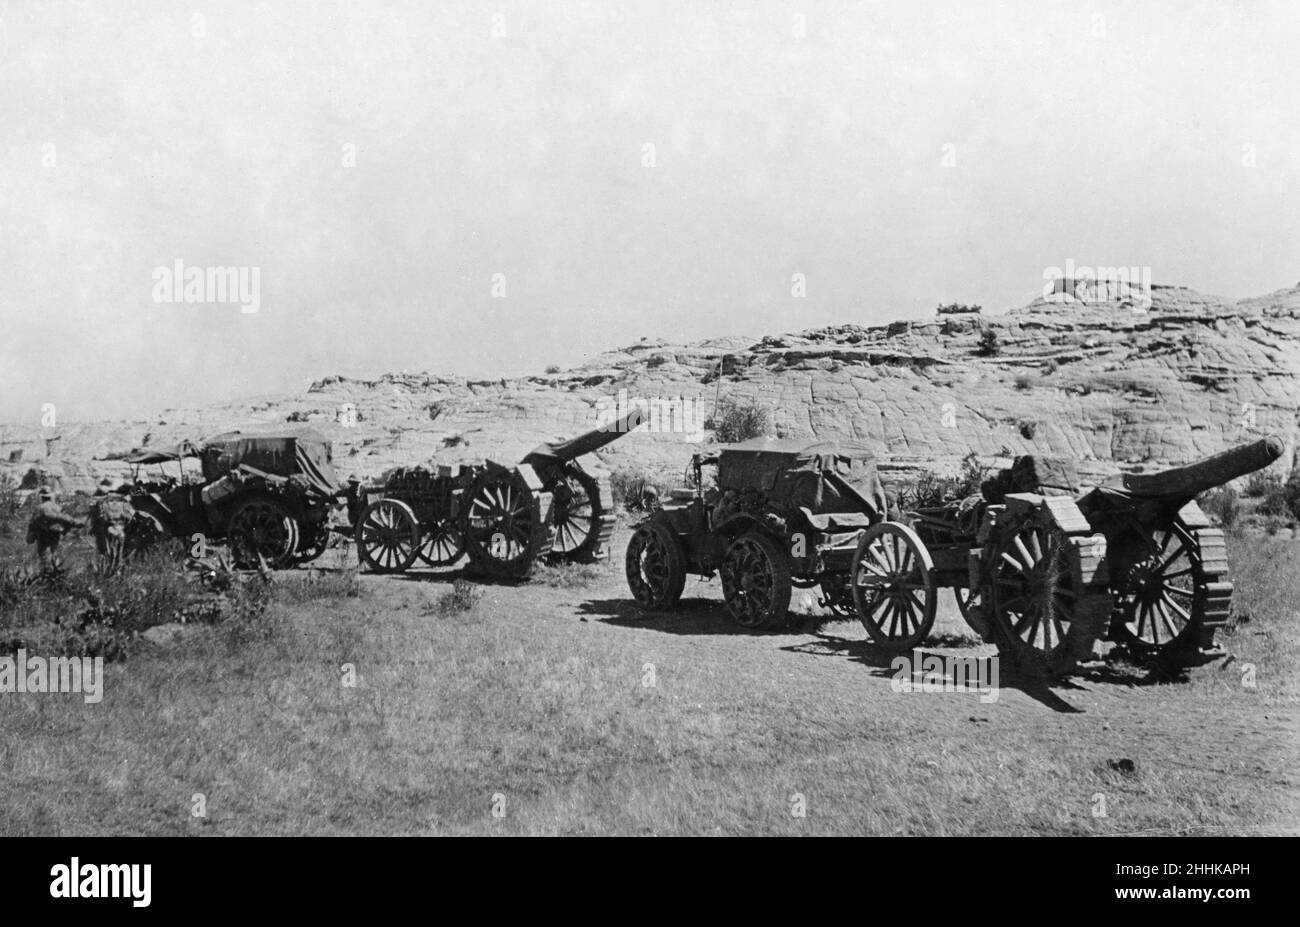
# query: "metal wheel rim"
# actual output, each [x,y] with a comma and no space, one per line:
[575,519]
[749,583]
[263,529]
[651,559]
[1032,585]
[891,583]
[1166,593]
[385,535]
[441,545]
[501,508]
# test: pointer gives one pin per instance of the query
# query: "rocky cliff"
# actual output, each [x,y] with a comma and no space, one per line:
[1110,384]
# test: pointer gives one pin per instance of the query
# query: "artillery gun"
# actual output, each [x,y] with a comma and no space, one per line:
[503,518]
[1037,568]
[1049,571]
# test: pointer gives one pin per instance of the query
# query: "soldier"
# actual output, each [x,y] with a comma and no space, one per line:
[46,529]
[110,520]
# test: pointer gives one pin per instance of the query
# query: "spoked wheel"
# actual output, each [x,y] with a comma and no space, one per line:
[577,509]
[441,544]
[505,524]
[388,536]
[756,581]
[1040,617]
[1163,603]
[893,586]
[262,531]
[655,571]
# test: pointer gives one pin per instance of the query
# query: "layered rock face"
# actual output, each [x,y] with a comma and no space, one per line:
[1109,384]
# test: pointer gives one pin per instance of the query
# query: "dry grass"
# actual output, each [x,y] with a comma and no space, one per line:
[571,712]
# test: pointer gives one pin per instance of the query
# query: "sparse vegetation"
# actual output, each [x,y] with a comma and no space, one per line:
[461,597]
[740,420]
[989,344]
[564,575]
[1223,506]
[931,489]
[957,309]
[1260,483]
[629,484]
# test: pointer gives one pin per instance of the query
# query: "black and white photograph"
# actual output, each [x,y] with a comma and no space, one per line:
[670,418]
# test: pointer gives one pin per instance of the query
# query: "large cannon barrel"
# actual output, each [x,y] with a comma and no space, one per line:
[593,440]
[1194,479]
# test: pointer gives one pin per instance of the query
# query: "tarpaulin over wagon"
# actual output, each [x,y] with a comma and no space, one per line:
[303,453]
[160,455]
[796,472]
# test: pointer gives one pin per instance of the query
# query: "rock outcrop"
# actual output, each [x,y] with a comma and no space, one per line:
[1111,385]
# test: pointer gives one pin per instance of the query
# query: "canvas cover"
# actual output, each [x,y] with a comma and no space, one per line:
[795,473]
[304,453]
[159,455]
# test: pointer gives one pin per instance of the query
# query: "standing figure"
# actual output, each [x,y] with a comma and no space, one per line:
[46,530]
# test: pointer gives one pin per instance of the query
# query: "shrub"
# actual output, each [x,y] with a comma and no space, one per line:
[956,309]
[1273,501]
[1223,506]
[970,477]
[740,420]
[1291,495]
[461,597]
[1025,381]
[1259,483]
[1050,368]
[658,360]
[629,483]
[553,368]
[989,345]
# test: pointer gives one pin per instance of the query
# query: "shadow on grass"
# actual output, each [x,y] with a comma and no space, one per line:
[691,616]
[1039,688]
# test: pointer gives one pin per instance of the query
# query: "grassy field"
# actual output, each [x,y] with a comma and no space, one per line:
[558,708]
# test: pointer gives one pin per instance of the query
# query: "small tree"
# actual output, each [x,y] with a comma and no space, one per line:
[740,420]
[989,345]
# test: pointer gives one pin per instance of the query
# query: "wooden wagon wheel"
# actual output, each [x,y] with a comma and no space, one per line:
[894,586]
[388,536]
[503,528]
[968,603]
[656,572]
[756,581]
[262,530]
[576,511]
[441,543]
[1170,602]
[1041,590]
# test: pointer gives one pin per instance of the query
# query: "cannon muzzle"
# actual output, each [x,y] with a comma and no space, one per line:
[593,440]
[1194,479]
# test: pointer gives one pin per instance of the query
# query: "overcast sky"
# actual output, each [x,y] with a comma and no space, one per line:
[629,169]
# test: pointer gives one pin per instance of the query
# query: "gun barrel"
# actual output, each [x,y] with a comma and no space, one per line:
[593,440]
[1194,479]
